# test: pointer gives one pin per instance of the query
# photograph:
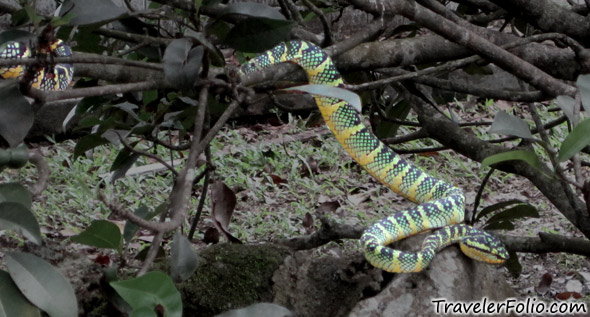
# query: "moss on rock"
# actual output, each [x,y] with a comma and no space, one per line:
[230,276]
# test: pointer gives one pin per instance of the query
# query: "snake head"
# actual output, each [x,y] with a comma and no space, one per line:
[485,247]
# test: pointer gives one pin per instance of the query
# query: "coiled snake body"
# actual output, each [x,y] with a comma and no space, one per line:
[51,77]
[441,205]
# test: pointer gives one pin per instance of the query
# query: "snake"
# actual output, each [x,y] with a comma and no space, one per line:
[439,205]
[50,77]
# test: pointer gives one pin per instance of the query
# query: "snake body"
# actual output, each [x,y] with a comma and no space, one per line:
[51,77]
[440,205]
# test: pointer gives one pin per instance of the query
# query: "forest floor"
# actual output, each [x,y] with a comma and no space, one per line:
[283,176]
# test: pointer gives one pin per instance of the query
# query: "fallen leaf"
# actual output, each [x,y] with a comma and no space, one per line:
[543,286]
[211,236]
[568,295]
[277,180]
[102,260]
[223,201]
[328,207]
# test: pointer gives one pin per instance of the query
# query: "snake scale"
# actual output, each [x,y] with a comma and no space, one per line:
[50,77]
[440,205]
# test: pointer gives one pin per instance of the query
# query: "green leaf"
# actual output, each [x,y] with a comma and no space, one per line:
[518,211]
[123,162]
[183,258]
[101,234]
[91,11]
[15,216]
[17,193]
[575,141]
[88,142]
[151,290]
[12,301]
[252,9]
[182,63]
[258,34]
[566,104]
[583,83]
[513,264]
[149,96]
[333,92]
[143,312]
[15,158]
[16,114]
[42,284]
[400,111]
[497,206]
[523,155]
[500,225]
[130,228]
[510,125]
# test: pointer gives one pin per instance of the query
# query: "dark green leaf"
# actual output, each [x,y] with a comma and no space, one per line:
[518,211]
[527,156]
[42,284]
[143,312]
[500,225]
[16,35]
[183,258]
[15,216]
[583,83]
[101,234]
[575,141]
[149,95]
[333,92]
[88,122]
[88,142]
[15,192]
[182,63]
[513,264]
[123,162]
[12,301]
[510,125]
[566,104]
[257,10]
[160,255]
[151,290]
[16,114]
[130,228]
[20,17]
[388,129]
[14,157]
[258,34]
[91,11]
[497,206]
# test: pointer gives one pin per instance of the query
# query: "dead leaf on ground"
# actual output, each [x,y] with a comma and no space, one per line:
[223,201]
[277,180]
[544,284]
[211,236]
[328,207]
[568,295]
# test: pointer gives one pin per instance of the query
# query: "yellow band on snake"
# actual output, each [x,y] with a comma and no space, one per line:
[440,205]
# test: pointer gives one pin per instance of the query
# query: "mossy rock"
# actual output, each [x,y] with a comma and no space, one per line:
[230,276]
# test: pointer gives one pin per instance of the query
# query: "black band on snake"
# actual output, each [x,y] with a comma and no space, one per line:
[440,205]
